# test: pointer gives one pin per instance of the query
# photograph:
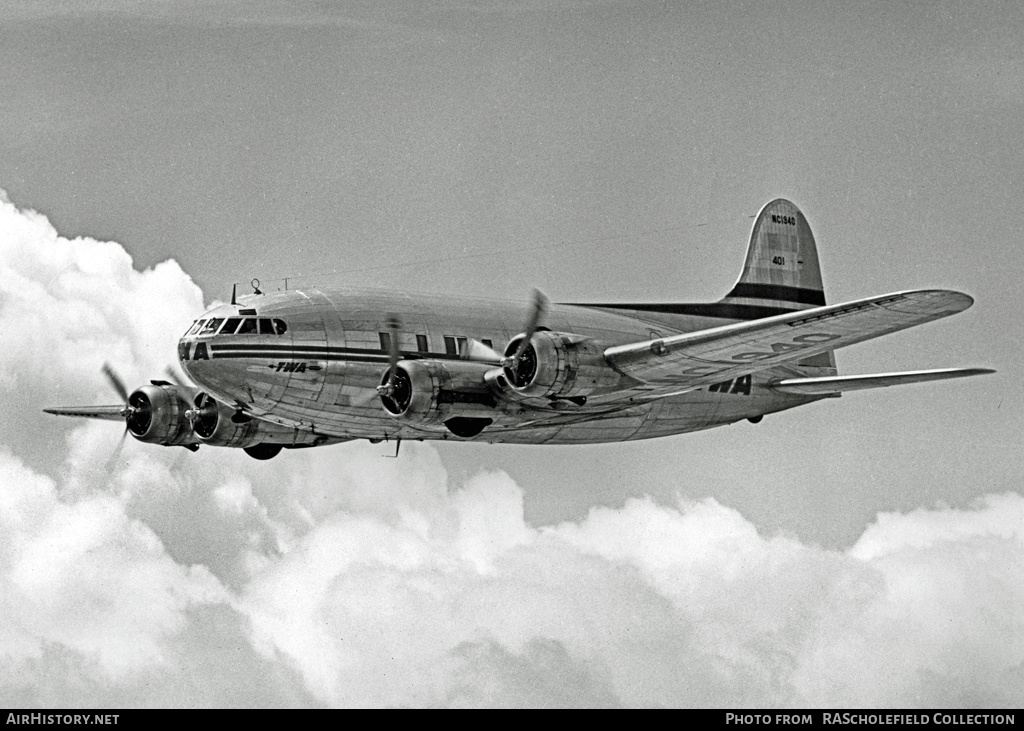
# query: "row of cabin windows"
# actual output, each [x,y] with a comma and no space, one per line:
[452,345]
[238,326]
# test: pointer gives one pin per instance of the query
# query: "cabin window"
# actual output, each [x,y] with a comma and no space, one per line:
[385,342]
[280,326]
[211,326]
[421,344]
[248,327]
[449,345]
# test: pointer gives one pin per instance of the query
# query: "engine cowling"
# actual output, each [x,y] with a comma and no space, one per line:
[435,392]
[156,414]
[219,425]
[559,366]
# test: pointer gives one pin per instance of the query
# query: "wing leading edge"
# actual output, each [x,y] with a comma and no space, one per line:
[697,359]
[109,413]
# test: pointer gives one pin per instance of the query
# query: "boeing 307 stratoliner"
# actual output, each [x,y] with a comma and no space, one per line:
[311,367]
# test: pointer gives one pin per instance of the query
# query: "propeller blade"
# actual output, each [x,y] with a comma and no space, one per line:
[172,374]
[394,355]
[370,398]
[109,413]
[116,382]
[475,350]
[539,307]
[117,450]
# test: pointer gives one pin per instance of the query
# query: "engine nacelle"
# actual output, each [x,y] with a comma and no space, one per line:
[560,366]
[435,392]
[219,425]
[156,414]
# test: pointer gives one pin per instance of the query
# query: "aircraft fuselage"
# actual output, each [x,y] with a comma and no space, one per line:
[319,376]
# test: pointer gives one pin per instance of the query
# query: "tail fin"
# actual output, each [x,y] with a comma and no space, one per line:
[782,270]
[782,262]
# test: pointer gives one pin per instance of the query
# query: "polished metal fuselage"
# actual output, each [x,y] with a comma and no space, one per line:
[320,376]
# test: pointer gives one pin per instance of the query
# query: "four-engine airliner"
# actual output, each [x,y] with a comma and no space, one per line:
[311,367]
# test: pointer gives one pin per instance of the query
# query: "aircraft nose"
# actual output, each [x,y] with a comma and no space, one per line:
[184,351]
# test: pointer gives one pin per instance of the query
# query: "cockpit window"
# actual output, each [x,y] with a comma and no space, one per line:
[230,326]
[195,327]
[253,326]
[248,327]
[211,326]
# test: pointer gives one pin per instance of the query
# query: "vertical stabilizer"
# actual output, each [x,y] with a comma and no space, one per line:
[782,270]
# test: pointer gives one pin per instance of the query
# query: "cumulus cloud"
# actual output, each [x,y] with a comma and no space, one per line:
[334,577]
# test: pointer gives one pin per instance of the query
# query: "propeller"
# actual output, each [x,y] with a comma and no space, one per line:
[138,411]
[394,326]
[118,386]
[397,391]
[538,308]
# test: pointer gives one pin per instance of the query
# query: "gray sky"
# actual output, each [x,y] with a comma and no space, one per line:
[599,151]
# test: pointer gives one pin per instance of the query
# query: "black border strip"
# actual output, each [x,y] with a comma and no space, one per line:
[778,292]
[711,309]
[226,347]
[316,352]
[298,355]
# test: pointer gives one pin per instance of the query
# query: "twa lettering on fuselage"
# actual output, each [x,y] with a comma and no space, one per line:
[291,366]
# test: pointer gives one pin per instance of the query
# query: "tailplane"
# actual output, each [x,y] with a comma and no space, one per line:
[835,385]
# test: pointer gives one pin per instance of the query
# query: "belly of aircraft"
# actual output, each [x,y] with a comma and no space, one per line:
[348,407]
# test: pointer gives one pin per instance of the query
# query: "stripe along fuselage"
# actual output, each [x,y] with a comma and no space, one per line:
[313,359]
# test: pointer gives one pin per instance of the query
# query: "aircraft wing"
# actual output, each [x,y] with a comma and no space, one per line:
[110,413]
[836,384]
[692,360]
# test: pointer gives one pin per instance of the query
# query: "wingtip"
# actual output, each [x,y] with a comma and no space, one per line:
[949,301]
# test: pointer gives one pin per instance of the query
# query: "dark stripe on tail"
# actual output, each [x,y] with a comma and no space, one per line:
[778,292]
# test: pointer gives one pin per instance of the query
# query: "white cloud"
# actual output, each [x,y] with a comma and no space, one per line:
[84,576]
[69,305]
[337,577]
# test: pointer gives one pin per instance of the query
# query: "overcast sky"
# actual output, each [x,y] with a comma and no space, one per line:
[865,550]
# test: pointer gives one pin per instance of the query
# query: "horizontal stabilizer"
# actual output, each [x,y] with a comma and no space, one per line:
[110,413]
[835,384]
